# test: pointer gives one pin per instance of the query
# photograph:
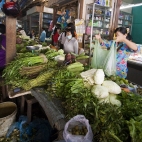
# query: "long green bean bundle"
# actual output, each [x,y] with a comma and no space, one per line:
[12,71]
[41,80]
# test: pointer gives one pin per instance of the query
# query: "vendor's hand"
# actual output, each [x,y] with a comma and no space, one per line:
[120,37]
[98,37]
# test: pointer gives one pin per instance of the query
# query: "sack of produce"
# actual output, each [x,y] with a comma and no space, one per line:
[78,129]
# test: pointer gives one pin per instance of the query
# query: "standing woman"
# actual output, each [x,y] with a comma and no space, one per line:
[2,46]
[56,34]
[71,43]
[125,48]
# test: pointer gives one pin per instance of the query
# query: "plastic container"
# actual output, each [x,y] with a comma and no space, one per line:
[8,112]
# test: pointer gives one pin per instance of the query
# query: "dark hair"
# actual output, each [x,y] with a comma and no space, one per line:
[71,30]
[2,31]
[71,25]
[43,28]
[123,31]
[58,26]
[129,37]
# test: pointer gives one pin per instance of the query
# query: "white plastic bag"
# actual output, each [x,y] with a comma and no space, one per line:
[78,120]
[110,61]
[99,56]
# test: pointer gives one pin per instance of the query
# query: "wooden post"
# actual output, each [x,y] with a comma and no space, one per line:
[54,15]
[114,17]
[41,19]
[81,3]
[10,38]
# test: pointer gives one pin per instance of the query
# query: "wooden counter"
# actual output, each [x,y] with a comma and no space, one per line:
[135,71]
[53,109]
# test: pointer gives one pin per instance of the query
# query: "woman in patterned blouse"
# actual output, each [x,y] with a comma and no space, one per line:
[125,48]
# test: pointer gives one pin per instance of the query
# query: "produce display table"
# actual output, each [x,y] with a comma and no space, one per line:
[52,108]
[135,72]
[12,94]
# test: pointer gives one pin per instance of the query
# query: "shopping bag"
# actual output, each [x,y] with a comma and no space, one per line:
[99,56]
[79,121]
[109,64]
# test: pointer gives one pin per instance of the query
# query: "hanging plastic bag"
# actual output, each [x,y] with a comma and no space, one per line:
[109,65]
[99,56]
[77,121]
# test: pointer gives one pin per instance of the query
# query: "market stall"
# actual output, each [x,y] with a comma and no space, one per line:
[65,86]
[70,90]
[39,17]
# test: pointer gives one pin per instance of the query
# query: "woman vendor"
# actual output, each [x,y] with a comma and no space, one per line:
[62,36]
[71,43]
[124,48]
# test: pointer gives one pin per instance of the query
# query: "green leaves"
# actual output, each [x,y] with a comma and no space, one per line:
[135,128]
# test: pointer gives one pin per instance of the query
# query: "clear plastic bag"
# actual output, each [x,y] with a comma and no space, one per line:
[99,56]
[104,59]
[109,65]
[80,121]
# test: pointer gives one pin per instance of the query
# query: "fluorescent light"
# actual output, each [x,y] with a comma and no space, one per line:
[131,5]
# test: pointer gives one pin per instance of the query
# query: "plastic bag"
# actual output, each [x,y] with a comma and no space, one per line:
[110,61]
[99,56]
[78,120]
[35,131]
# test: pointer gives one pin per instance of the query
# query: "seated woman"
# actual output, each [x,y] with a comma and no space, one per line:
[71,43]
[62,36]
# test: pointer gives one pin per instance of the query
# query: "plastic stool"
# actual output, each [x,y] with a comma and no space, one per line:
[30,100]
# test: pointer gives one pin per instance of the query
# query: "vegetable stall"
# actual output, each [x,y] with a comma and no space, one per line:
[112,105]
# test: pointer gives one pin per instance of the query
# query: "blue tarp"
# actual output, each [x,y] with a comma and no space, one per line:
[37,130]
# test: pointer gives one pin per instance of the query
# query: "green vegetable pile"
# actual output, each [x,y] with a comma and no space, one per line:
[12,71]
[120,81]
[50,54]
[109,123]
[21,48]
[21,70]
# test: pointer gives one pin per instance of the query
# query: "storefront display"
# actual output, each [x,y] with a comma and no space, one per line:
[80,29]
[37,19]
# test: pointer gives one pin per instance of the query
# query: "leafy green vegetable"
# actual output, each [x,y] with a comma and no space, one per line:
[135,128]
